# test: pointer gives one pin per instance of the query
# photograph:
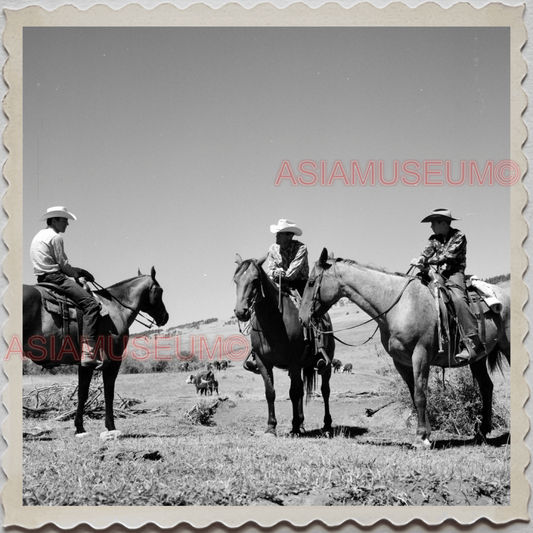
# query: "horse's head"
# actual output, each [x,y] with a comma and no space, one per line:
[152,302]
[247,277]
[321,291]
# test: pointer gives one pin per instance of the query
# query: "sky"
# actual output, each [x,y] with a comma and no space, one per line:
[167,143]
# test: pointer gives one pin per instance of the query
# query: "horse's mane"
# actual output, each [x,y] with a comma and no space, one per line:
[245,264]
[106,291]
[371,267]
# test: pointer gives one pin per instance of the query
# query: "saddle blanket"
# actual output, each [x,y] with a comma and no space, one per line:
[486,293]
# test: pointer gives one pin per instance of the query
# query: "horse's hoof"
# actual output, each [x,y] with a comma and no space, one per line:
[479,438]
[113,434]
[82,435]
[422,444]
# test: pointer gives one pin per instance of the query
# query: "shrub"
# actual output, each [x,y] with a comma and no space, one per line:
[454,402]
[202,413]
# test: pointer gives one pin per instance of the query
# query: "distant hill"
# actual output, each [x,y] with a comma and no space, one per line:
[496,280]
[501,279]
[174,329]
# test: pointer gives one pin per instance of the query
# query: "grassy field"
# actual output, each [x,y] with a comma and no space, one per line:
[164,458]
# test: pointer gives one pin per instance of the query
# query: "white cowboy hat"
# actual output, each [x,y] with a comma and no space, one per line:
[437,214]
[57,211]
[286,226]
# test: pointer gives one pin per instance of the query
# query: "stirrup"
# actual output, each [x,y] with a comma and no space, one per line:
[323,363]
[251,366]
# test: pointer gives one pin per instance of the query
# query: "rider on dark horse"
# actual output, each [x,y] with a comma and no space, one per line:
[287,266]
[50,265]
[446,250]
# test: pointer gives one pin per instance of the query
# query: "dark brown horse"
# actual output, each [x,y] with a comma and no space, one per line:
[46,345]
[404,310]
[278,341]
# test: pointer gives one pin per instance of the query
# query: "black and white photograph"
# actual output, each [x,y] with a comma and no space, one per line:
[265,265]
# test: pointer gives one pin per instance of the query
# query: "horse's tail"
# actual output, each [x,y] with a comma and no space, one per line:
[310,379]
[495,359]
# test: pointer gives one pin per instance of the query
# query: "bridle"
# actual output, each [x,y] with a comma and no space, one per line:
[258,294]
[151,321]
[316,298]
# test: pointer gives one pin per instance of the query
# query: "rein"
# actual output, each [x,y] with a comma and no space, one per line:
[317,330]
[137,312]
[247,328]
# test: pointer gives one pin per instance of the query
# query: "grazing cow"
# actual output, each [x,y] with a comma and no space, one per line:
[204,382]
[336,364]
[223,365]
[348,368]
[216,365]
[183,367]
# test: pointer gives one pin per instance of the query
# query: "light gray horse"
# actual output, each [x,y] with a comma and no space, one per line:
[405,312]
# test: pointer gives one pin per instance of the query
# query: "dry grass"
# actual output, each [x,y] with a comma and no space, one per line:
[169,460]
[206,468]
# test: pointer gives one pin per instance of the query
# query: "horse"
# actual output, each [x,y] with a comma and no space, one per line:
[278,341]
[121,303]
[404,309]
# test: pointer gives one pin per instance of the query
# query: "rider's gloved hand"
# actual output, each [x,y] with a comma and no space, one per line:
[84,274]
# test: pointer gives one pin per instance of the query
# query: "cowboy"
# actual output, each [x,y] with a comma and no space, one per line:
[288,266]
[287,262]
[51,265]
[446,251]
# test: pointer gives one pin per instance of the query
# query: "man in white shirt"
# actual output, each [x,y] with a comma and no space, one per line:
[51,265]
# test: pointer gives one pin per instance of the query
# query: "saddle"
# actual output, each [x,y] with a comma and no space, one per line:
[56,302]
[450,329]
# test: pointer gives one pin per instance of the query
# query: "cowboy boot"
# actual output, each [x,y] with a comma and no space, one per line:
[472,347]
[251,365]
[88,354]
[324,361]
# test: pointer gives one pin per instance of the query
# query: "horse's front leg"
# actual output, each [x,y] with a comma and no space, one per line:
[481,375]
[270,394]
[84,381]
[296,393]
[110,376]
[421,377]
[416,379]
[325,390]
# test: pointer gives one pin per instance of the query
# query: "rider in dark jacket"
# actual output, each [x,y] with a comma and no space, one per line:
[446,251]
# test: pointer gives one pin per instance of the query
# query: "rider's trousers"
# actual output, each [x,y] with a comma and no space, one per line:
[466,318]
[87,302]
